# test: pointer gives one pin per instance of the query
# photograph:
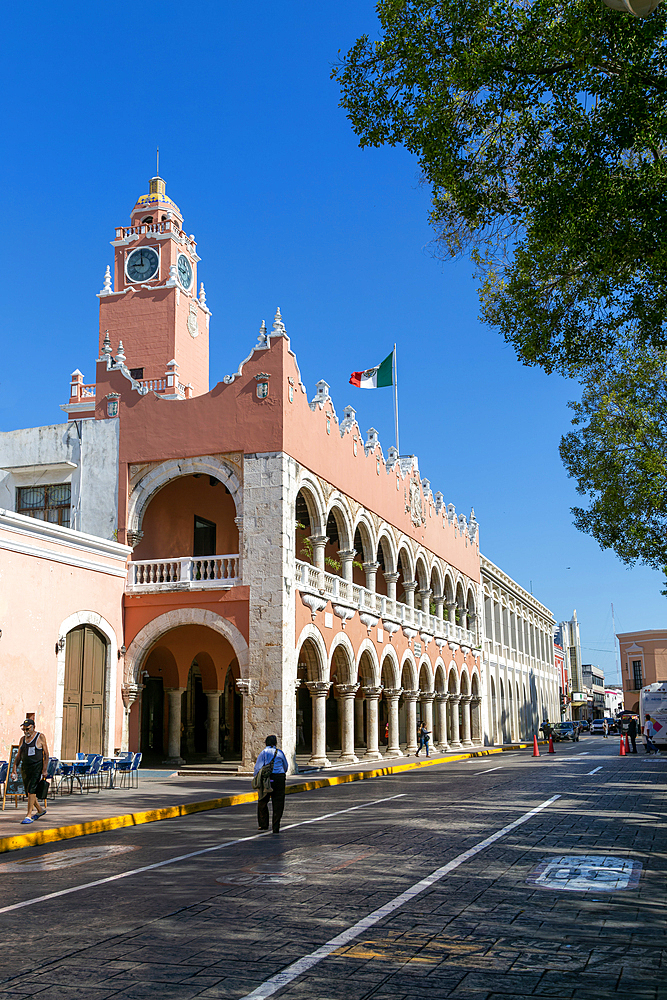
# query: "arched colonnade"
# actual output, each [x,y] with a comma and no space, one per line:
[368,706]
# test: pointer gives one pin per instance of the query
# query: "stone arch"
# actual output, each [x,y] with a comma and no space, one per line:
[362,530]
[386,550]
[475,684]
[389,662]
[315,663]
[369,673]
[439,683]
[404,555]
[448,587]
[464,682]
[421,574]
[342,660]
[437,579]
[308,511]
[425,673]
[339,511]
[146,638]
[110,677]
[166,472]
[453,679]
[408,670]
[471,603]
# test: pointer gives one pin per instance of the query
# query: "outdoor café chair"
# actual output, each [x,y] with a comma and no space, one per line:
[92,777]
[134,770]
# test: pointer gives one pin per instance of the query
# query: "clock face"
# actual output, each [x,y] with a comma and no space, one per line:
[184,271]
[142,264]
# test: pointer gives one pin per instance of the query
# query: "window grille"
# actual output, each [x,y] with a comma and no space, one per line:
[637,671]
[46,503]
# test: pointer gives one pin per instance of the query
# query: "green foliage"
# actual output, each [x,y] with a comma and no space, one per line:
[540,127]
[618,457]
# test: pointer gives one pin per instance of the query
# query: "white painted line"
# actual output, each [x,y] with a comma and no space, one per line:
[302,965]
[185,857]
[596,769]
[490,769]
[585,753]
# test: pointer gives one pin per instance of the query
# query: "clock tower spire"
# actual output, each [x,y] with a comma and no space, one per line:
[153,306]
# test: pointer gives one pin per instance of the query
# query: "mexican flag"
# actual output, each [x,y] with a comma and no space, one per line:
[375,378]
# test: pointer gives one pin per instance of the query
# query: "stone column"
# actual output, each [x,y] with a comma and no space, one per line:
[391,580]
[466,741]
[441,715]
[346,557]
[425,600]
[392,695]
[372,698]
[213,726]
[454,738]
[475,720]
[411,720]
[409,590]
[472,626]
[244,688]
[463,618]
[439,602]
[451,611]
[319,544]
[370,569]
[130,693]
[359,722]
[345,694]
[174,736]
[318,693]
[426,702]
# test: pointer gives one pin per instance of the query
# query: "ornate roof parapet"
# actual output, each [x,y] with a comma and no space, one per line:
[202,295]
[408,464]
[120,358]
[392,458]
[107,289]
[278,326]
[473,526]
[451,513]
[262,339]
[426,486]
[372,441]
[439,502]
[349,421]
[463,524]
[322,396]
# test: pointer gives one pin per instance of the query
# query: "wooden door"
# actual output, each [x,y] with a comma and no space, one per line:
[83,710]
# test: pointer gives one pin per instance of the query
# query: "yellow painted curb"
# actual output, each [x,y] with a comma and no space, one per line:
[171,812]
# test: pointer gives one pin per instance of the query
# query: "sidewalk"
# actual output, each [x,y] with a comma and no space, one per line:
[165,795]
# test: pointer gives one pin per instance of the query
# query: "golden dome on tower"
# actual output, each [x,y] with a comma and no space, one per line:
[157,200]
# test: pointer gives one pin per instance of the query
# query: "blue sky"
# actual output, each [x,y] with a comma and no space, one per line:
[288,211]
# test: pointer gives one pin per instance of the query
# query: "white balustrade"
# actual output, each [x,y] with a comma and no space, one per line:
[186,573]
[335,587]
[88,390]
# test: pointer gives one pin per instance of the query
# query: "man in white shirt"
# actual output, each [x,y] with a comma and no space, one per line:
[272,755]
[648,735]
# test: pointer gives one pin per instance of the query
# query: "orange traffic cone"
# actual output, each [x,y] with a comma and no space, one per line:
[621,752]
[551,744]
[536,749]
[627,744]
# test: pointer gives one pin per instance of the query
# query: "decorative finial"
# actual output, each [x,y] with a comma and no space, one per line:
[106,346]
[263,338]
[107,290]
[202,295]
[278,325]
[120,358]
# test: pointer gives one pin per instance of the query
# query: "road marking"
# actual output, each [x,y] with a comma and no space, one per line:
[302,965]
[586,873]
[585,753]
[185,857]
[596,769]
[65,859]
[490,769]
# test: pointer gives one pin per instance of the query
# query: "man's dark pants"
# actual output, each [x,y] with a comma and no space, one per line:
[633,740]
[277,796]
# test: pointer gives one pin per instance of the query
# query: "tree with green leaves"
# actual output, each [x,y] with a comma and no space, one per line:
[618,455]
[541,128]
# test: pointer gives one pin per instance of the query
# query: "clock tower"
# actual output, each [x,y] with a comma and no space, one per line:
[153,307]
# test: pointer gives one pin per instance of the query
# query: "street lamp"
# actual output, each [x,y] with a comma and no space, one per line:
[640,8]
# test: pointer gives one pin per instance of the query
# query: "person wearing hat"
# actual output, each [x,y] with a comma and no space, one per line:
[33,753]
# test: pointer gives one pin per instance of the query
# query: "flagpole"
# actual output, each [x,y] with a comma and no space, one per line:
[395,381]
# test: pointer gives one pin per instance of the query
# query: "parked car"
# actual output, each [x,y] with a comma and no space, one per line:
[565,731]
[584,725]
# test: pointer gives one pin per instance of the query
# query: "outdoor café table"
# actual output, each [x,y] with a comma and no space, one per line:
[78,769]
[111,771]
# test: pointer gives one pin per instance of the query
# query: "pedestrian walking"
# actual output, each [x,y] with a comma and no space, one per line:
[649,732]
[423,735]
[605,729]
[279,768]
[33,753]
[632,733]
[386,733]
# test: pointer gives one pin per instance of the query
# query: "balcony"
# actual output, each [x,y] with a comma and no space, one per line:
[186,573]
[348,598]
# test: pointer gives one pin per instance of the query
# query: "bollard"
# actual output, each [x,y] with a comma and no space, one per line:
[621,752]
[536,749]
[551,744]
[627,743]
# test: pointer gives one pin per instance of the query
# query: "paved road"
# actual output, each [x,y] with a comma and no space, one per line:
[403,887]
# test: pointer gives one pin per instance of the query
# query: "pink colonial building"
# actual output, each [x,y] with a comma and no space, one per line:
[283,574]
